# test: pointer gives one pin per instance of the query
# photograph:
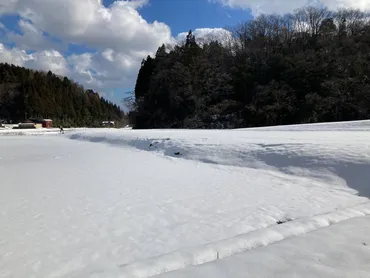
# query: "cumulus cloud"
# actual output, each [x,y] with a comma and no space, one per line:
[281,6]
[118,36]
[48,60]
[7,6]
[31,38]
[42,60]
[107,69]
[100,70]
[119,26]
[13,56]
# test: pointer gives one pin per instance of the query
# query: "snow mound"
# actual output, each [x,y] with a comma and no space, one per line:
[363,125]
[232,147]
[181,259]
[340,250]
[41,131]
[22,132]
[326,150]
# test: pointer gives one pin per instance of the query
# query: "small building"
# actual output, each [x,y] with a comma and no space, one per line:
[47,123]
[42,123]
[108,124]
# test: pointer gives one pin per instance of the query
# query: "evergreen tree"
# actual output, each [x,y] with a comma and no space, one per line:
[33,94]
[309,66]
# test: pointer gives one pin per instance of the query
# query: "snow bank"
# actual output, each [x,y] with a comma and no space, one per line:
[217,250]
[37,131]
[342,140]
[339,149]
[17,132]
[362,125]
[340,250]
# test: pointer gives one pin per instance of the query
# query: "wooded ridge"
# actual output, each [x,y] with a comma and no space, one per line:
[309,66]
[26,93]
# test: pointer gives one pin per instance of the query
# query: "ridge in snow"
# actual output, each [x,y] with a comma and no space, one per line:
[325,151]
[121,203]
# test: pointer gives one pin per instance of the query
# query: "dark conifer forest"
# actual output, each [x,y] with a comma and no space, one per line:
[309,66]
[27,94]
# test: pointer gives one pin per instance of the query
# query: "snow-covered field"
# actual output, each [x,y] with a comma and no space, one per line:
[341,250]
[36,131]
[185,203]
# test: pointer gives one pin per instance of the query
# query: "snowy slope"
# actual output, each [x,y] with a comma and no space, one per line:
[126,203]
[341,250]
[336,152]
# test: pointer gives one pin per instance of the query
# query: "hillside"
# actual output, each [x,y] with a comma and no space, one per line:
[25,93]
[309,66]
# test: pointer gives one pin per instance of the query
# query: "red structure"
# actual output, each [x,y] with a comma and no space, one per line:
[47,123]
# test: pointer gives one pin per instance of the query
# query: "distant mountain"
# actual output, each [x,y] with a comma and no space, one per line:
[26,93]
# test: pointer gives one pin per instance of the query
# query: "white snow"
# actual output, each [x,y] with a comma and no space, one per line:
[36,131]
[127,203]
[341,250]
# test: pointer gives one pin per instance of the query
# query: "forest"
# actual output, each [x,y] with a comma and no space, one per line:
[312,65]
[26,94]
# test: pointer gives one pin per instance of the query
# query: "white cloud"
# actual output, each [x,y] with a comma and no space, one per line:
[281,6]
[31,38]
[107,69]
[7,6]
[119,26]
[48,60]
[43,60]
[204,35]
[118,36]
[13,56]
[91,69]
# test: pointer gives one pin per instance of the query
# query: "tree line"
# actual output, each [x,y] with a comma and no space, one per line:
[309,66]
[27,94]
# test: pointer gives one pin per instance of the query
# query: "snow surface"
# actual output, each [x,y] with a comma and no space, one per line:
[127,203]
[36,131]
[341,250]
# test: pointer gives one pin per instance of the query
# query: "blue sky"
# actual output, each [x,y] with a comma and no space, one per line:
[101,43]
[183,15]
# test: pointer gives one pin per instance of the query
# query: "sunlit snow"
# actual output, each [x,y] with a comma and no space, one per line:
[127,203]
